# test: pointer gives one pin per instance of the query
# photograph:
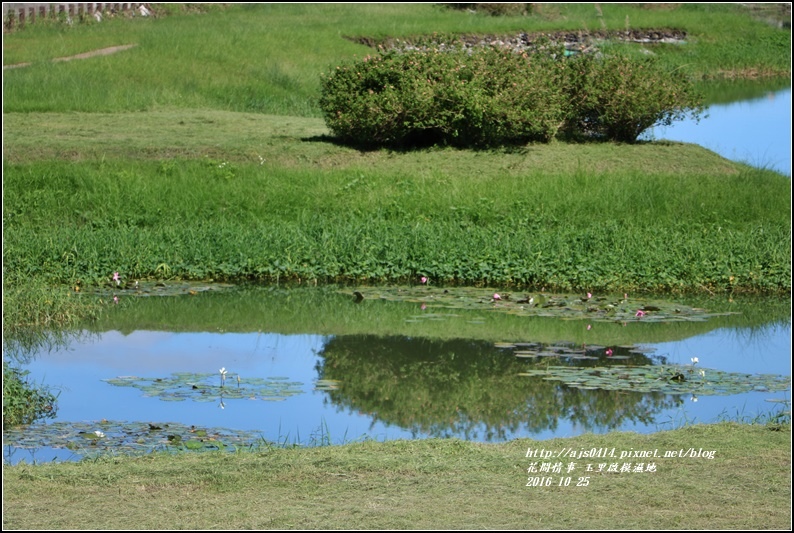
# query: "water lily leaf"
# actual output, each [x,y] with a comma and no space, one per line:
[207,387]
[125,437]
[563,306]
[669,379]
[156,288]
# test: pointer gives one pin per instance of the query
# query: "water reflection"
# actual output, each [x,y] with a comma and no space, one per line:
[396,386]
[469,389]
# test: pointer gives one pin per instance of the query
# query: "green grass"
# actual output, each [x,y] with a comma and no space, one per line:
[134,151]
[330,214]
[24,402]
[267,58]
[199,154]
[433,484]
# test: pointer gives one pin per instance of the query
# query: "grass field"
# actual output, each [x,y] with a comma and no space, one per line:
[200,154]
[435,484]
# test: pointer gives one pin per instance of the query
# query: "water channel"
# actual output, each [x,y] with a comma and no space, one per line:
[316,366]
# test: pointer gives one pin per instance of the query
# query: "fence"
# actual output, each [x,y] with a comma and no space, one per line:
[20,14]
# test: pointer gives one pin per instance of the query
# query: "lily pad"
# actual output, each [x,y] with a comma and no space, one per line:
[156,288]
[563,306]
[209,387]
[126,437]
[669,379]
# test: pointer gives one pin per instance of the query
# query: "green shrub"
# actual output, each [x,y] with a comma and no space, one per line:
[23,403]
[485,97]
[617,97]
[493,96]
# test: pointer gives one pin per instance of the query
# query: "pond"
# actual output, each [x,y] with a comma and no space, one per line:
[316,366]
[755,129]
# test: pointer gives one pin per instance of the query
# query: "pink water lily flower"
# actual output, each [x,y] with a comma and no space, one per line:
[116,278]
[588,327]
[589,295]
[496,296]
[609,352]
[424,279]
[640,313]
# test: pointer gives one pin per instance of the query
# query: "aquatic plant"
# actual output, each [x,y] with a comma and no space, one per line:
[116,437]
[669,379]
[23,402]
[566,306]
[198,387]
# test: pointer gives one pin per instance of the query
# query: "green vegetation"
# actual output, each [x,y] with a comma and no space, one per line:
[383,218]
[23,402]
[489,97]
[493,96]
[164,166]
[618,97]
[267,58]
[433,484]
[200,153]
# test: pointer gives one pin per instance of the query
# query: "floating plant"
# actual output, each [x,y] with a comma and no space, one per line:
[564,306]
[669,379]
[209,387]
[126,437]
[156,288]
[574,353]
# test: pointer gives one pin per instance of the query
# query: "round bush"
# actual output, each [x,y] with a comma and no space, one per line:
[491,96]
[485,97]
[617,97]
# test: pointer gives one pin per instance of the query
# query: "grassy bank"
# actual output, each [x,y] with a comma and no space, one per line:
[438,484]
[163,165]
[272,210]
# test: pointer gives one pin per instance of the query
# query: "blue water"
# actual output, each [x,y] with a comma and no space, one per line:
[757,131]
[300,418]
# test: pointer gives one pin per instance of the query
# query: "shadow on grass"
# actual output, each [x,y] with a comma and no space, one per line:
[415,146]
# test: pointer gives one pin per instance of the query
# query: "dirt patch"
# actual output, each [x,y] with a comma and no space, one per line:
[85,55]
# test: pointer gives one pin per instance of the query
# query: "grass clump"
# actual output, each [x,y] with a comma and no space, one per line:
[23,402]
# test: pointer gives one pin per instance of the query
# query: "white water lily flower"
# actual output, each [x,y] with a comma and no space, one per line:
[222,371]
[99,434]
[695,360]
[694,398]
[703,373]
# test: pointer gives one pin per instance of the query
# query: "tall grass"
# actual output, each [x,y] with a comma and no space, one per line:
[83,221]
